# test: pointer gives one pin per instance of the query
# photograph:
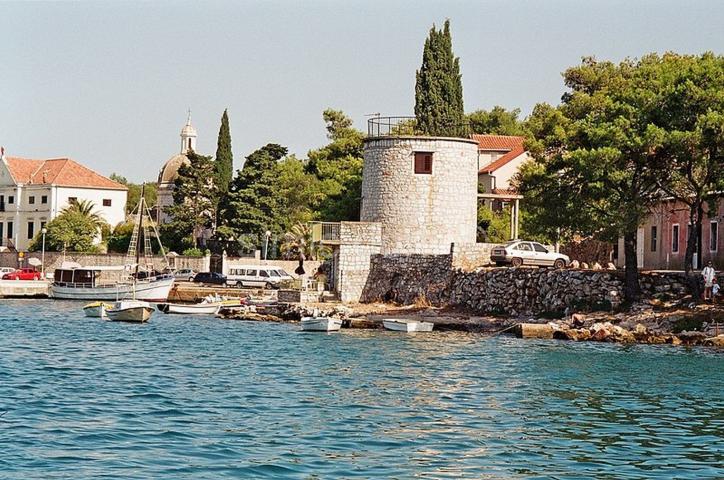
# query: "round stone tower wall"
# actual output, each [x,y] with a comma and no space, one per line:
[420,212]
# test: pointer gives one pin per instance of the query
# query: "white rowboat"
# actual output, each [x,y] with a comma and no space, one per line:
[321,324]
[196,309]
[130,311]
[96,309]
[404,325]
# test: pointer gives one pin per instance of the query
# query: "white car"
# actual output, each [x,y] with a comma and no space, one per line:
[257,276]
[521,252]
[4,270]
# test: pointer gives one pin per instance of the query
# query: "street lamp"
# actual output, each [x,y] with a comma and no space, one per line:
[42,254]
[266,245]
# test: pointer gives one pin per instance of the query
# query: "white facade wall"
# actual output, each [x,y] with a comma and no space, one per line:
[421,213]
[504,175]
[113,214]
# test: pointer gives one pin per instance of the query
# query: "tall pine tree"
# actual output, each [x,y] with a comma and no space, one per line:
[224,163]
[252,206]
[438,87]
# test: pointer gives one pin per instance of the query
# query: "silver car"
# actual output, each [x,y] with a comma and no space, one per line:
[522,252]
[184,274]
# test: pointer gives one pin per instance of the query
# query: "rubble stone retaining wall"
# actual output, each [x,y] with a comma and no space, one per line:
[469,256]
[358,242]
[408,279]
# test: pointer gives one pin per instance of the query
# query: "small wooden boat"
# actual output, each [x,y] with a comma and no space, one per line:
[195,309]
[321,324]
[404,325]
[96,309]
[130,311]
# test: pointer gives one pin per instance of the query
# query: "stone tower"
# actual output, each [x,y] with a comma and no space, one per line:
[423,190]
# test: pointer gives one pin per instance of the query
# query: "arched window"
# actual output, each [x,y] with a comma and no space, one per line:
[189,144]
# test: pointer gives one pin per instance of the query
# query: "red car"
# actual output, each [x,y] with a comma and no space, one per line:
[23,274]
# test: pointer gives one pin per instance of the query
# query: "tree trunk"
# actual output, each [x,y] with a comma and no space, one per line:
[632,290]
[693,240]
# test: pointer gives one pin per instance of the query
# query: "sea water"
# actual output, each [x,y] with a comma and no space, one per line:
[200,397]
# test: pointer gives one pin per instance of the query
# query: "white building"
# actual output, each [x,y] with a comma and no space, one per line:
[33,192]
[169,172]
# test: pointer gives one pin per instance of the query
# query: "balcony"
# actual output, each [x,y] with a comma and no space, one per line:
[327,233]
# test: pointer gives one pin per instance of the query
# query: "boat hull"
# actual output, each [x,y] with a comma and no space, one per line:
[197,309]
[96,309]
[149,291]
[320,324]
[130,311]
[408,326]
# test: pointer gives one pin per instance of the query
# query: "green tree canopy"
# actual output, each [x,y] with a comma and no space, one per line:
[252,204]
[195,199]
[134,192]
[438,87]
[224,162]
[72,230]
[497,121]
[597,156]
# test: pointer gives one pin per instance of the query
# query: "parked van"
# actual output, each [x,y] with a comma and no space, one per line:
[257,276]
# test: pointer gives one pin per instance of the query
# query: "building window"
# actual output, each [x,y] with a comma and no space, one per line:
[713,236]
[11,199]
[675,238]
[42,225]
[72,200]
[10,229]
[31,200]
[31,229]
[44,199]
[654,239]
[423,163]
[106,202]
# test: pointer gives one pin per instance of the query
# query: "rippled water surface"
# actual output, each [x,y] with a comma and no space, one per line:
[198,397]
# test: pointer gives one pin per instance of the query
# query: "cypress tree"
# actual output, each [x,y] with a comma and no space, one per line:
[438,87]
[224,164]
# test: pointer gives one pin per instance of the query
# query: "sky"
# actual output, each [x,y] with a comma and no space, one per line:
[109,83]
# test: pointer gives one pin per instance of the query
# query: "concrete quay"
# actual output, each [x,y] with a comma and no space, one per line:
[24,288]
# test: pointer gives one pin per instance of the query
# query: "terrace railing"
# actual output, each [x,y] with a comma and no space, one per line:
[408,126]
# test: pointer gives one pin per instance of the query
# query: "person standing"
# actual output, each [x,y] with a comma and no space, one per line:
[708,273]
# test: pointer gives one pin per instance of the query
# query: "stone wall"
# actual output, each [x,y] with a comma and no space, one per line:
[406,279]
[516,291]
[54,260]
[358,242]
[469,256]
[420,213]
[588,250]
[409,279]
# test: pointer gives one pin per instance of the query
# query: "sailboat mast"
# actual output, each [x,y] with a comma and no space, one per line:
[140,220]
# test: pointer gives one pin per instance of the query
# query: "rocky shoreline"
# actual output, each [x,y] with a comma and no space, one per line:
[649,323]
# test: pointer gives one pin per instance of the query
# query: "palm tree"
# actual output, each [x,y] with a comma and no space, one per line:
[86,208]
[299,240]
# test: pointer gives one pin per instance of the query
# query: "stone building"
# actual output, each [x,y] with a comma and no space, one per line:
[422,190]
[169,171]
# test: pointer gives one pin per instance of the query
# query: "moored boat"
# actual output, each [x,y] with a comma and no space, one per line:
[84,283]
[405,325]
[130,311]
[96,309]
[320,324]
[190,309]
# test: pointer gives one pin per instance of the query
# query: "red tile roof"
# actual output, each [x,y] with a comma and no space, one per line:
[497,142]
[503,160]
[58,171]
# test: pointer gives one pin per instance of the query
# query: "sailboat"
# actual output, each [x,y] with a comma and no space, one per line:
[134,310]
[76,282]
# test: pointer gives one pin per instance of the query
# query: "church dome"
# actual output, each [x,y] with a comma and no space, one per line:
[169,171]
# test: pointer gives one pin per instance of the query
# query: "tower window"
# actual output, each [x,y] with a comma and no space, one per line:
[189,144]
[423,163]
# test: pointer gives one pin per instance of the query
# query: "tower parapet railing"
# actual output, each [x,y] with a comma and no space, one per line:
[408,126]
